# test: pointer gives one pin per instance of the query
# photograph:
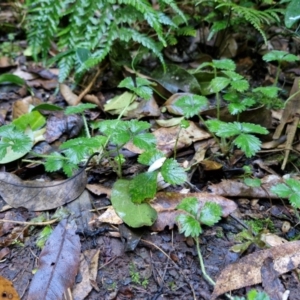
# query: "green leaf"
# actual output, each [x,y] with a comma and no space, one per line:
[14,143]
[191,104]
[189,226]
[134,215]
[55,162]
[118,103]
[136,126]
[172,172]
[224,64]
[240,85]
[80,108]
[219,83]
[269,91]
[248,143]
[149,157]
[143,187]
[252,128]
[190,205]
[229,129]
[282,190]
[252,182]
[145,141]
[11,78]
[46,106]
[210,213]
[295,200]
[34,120]
[292,13]
[278,55]
[293,184]
[255,295]
[236,108]
[214,125]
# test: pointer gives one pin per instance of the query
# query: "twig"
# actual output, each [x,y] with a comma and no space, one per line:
[29,223]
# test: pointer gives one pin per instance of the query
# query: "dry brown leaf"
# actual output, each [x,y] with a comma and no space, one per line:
[37,195]
[21,107]
[58,264]
[235,188]
[99,189]
[166,137]
[88,270]
[110,216]
[247,271]
[6,62]
[165,204]
[67,93]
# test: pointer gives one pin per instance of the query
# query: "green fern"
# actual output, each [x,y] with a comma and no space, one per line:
[255,17]
[93,26]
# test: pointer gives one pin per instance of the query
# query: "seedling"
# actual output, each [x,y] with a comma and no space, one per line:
[190,223]
[254,295]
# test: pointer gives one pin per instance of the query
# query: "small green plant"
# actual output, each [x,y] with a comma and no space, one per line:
[43,236]
[254,295]
[190,223]
[280,57]
[237,134]
[135,276]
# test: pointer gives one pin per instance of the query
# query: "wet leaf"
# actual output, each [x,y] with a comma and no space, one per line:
[58,264]
[37,195]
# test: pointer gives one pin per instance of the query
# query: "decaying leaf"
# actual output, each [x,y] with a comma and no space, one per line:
[58,264]
[37,195]
[67,93]
[236,188]
[247,271]
[7,290]
[21,107]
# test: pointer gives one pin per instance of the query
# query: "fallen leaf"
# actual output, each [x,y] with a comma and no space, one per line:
[110,216]
[246,272]
[58,264]
[21,107]
[67,93]
[7,290]
[37,195]
[88,271]
[99,189]
[236,188]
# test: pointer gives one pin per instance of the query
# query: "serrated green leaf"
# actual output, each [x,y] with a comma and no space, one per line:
[229,129]
[269,91]
[282,190]
[143,187]
[189,226]
[149,157]
[248,143]
[136,126]
[252,128]
[172,172]
[69,168]
[224,64]
[80,108]
[236,108]
[240,85]
[191,104]
[190,205]
[54,162]
[145,141]
[144,92]
[295,200]
[210,213]
[219,83]
[134,215]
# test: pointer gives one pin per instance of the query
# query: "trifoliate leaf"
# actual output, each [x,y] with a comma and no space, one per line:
[14,143]
[191,104]
[282,190]
[80,108]
[224,64]
[149,157]
[190,205]
[219,83]
[277,55]
[248,143]
[189,226]
[210,213]
[143,186]
[145,141]
[172,172]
